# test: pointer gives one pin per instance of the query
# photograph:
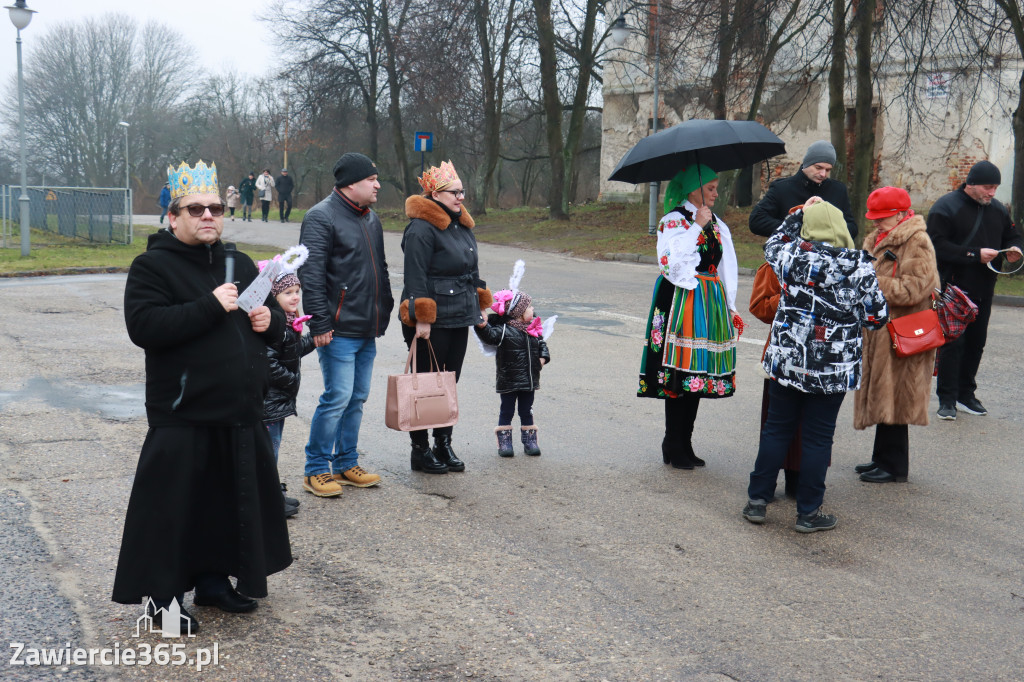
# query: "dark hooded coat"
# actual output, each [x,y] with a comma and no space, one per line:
[206,496]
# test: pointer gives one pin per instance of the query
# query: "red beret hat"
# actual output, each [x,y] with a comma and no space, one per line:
[887,201]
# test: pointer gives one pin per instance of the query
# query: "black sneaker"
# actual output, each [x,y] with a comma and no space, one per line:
[947,413]
[755,511]
[973,406]
[815,521]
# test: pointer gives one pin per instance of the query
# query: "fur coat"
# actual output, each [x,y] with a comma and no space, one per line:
[896,390]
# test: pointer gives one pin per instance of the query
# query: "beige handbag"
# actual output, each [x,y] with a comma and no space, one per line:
[421,400]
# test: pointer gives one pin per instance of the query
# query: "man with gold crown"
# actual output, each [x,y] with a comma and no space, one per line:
[346,288]
[206,502]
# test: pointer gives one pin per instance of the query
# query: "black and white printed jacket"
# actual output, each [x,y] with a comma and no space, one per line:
[828,295]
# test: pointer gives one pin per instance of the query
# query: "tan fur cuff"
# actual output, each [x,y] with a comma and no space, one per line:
[486,299]
[425,310]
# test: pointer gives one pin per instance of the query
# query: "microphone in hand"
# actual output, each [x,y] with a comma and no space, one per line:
[229,263]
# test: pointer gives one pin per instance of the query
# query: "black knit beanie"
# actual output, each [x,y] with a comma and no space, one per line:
[353,167]
[984,173]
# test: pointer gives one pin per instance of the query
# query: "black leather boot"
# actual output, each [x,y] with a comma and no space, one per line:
[444,454]
[422,459]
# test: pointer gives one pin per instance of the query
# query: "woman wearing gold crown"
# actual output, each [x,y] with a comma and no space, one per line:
[443,293]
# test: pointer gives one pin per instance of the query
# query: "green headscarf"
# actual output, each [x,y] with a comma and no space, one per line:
[685,182]
[823,222]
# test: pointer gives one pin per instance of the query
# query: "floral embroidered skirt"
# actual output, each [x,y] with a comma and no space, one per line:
[690,344]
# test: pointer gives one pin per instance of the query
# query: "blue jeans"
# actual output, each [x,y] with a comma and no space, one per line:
[276,430]
[815,414]
[346,365]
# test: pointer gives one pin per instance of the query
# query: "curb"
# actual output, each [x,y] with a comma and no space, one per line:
[65,271]
[998,299]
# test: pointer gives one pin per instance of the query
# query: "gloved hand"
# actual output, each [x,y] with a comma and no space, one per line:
[737,322]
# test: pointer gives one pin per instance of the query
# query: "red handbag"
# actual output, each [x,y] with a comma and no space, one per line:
[916,333]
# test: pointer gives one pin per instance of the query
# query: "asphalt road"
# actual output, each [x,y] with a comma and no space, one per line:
[593,562]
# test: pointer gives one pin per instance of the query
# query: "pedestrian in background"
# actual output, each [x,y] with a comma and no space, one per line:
[165,201]
[232,200]
[265,187]
[246,191]
[829,292]
[285,186]
[894,391]
[969,227]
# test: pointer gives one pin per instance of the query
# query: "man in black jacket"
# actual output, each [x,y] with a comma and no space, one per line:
[206,502]
[347,290]
[285,185]
[969,227]
[812,180]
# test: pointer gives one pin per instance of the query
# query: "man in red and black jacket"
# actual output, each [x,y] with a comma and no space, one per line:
[345,287]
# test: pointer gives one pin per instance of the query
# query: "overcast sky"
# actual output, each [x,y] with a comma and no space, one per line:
[225,33]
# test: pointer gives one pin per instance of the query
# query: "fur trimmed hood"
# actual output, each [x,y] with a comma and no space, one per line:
[418,206]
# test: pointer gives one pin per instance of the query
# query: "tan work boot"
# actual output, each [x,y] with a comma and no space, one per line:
[321,485]
[357,476]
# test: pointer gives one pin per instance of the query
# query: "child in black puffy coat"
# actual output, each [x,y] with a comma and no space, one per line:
[284,357]
[521,353]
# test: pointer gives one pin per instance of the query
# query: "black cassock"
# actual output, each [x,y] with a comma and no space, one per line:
[206,496]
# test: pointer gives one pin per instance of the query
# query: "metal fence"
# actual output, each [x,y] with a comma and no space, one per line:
[68,214]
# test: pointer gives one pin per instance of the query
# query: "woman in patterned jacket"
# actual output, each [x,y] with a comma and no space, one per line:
[829,292]
[690,346]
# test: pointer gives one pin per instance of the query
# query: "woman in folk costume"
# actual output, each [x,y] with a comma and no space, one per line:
[894,391]
[442,294]
[690,345]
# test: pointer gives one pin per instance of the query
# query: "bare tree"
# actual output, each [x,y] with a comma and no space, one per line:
[864,126]
[85,77]
[495,29]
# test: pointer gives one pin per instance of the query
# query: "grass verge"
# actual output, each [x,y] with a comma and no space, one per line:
[72,256]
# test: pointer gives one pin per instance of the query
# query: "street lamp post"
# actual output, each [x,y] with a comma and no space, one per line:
[127,177]
[652,214]
[20,17]
[619,33]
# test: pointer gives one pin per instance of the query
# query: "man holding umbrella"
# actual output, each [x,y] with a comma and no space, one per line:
[812,180]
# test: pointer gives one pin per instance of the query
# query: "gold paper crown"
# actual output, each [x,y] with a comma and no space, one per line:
[437,178]
[199,180]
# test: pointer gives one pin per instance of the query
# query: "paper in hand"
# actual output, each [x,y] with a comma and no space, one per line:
[256,293]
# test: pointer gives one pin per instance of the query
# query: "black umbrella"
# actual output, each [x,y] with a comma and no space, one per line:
[720,145]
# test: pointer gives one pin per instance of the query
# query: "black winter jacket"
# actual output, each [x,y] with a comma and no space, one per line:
[950,222]
[284,184]
[345,284]
[442,278]
[285,359]
[795,190]
[204,366]
[518,357]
